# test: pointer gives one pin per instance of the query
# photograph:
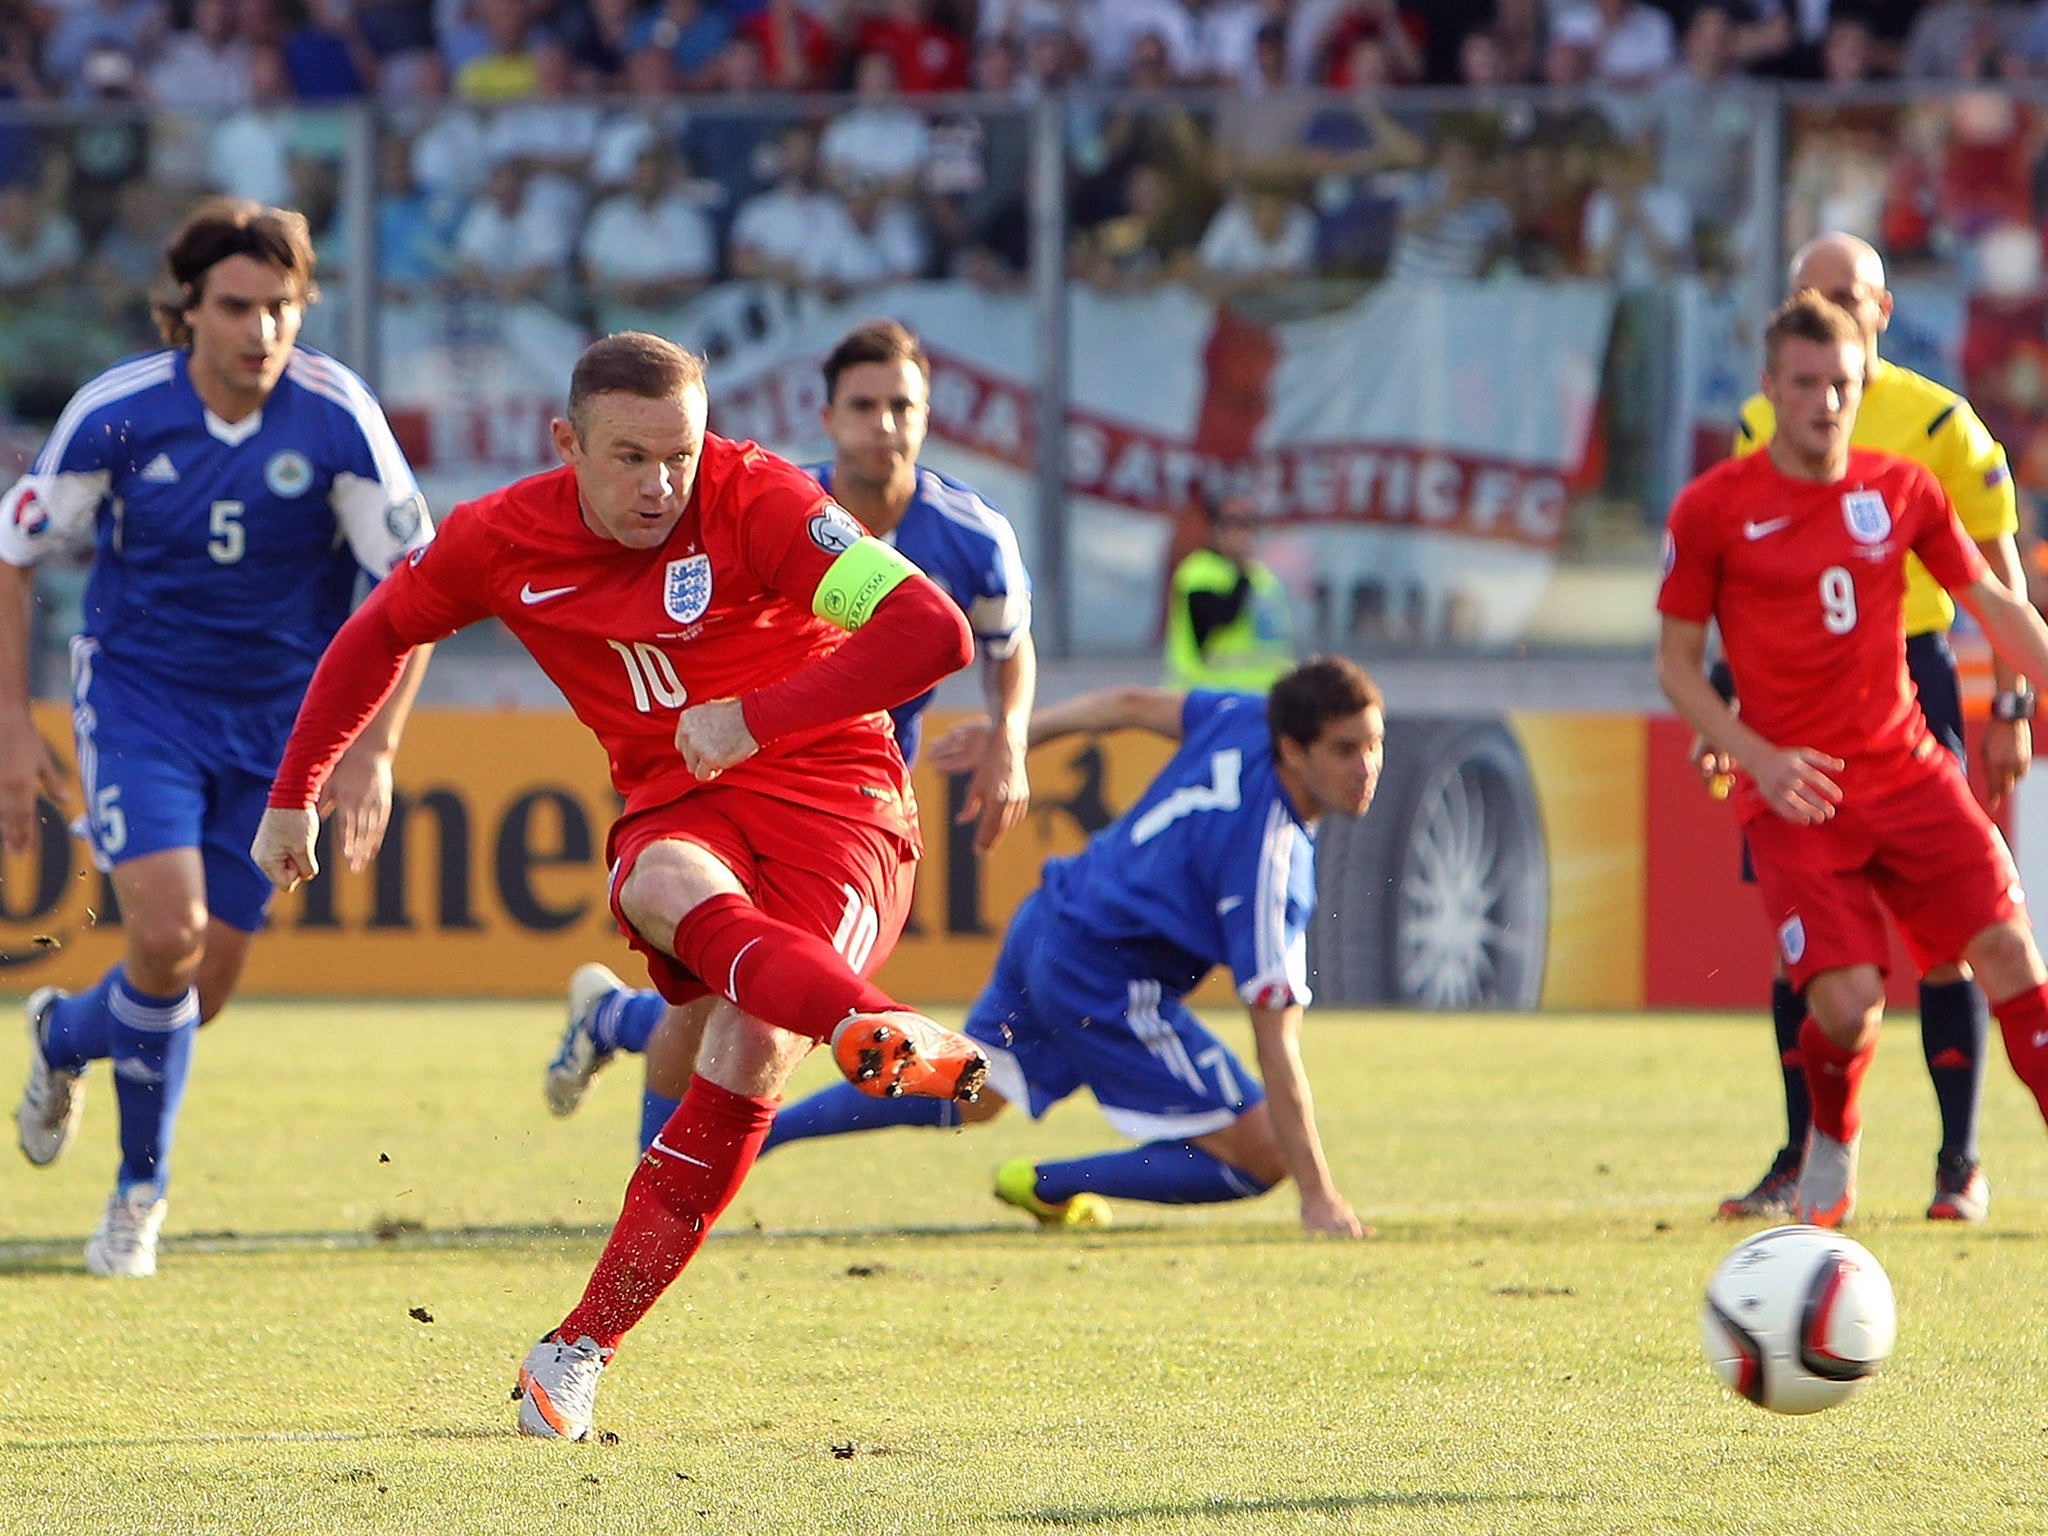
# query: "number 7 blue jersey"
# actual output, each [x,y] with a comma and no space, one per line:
[225,555]
[1212,866]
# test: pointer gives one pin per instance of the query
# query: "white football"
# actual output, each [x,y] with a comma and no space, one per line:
[1797,1319]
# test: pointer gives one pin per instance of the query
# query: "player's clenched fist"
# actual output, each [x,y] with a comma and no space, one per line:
[283,849]
[714,737]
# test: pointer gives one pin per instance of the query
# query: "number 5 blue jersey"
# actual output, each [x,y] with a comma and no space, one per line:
[1212,866]
[225,554]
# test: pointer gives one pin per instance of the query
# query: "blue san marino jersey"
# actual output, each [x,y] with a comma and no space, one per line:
[970,549]
[1212,866]
[225,555]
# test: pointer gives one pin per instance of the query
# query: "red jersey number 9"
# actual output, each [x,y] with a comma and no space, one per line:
[1837,600]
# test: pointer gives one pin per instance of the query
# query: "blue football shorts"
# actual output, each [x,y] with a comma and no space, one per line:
[163,769]
[1049,1028]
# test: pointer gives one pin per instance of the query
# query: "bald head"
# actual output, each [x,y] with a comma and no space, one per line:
[1850,272]
[1832,260]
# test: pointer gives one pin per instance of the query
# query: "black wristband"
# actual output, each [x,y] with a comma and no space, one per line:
[2015,705]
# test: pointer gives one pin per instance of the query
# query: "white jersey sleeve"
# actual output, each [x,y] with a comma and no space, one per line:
[376,501]
[1268,935]
[1001,616]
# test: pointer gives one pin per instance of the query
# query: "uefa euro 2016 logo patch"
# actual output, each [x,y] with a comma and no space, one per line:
[1869,519]
[686,588]
[289,473]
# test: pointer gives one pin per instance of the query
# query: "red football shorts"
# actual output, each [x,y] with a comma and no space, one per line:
[1927,851]
[847,882]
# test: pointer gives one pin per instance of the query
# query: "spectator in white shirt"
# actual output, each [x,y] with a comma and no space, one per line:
[1260,232]
[871,239]
[1632,44]
[511,246]
[881,139]
[773,231]
[249,154]
[1634,232]
[649,248]
[1225,33]
[203,67]
[554,135]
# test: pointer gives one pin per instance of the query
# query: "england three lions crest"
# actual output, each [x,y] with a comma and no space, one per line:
[686,588]
[1869,519]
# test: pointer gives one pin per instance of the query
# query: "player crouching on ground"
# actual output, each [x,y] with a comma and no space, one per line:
[1215,865]
[1847,801]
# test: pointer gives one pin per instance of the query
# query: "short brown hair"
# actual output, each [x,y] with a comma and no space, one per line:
[222,227]
[631,363]
[1809,315]
[1321,689]
[874,341]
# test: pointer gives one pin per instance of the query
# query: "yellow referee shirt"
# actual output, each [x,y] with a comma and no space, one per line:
[1914,417]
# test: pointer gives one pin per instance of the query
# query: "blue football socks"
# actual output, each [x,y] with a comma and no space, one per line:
[78,1029]
[624,1021]
[842,1108]
[654,1112]
[1162,1172]
[150,1042]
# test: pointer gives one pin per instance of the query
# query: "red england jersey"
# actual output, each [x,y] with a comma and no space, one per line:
[1806,582]
[631,637]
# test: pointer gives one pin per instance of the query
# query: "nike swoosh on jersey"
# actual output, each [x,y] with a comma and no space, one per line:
[2040,1039]
[1764,530]
[529,596]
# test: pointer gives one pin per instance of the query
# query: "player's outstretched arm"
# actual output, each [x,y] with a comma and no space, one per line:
[26,766]
[1276,1036]
[1107,709]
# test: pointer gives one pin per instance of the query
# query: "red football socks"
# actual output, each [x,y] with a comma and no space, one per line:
[2023,1020]
[779,974]
[684,1182]
[1834,1082]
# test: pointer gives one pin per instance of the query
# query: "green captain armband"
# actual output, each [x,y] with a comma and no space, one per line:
[865,572]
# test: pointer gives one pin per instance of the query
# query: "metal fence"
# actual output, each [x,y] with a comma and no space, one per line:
[1460,348]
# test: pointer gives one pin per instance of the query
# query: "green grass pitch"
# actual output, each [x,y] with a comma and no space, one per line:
[373,1216]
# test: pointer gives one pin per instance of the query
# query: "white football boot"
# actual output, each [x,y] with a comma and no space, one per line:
[578,1059]
[47,1117]
[123,1245]
[557,1389]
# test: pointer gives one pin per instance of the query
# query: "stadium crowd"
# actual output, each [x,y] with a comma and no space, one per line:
[610,159]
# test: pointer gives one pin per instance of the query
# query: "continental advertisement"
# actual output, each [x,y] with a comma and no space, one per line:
[1513,861]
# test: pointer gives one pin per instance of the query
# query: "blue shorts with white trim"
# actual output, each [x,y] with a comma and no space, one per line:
[164,770]
[1155,1070]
